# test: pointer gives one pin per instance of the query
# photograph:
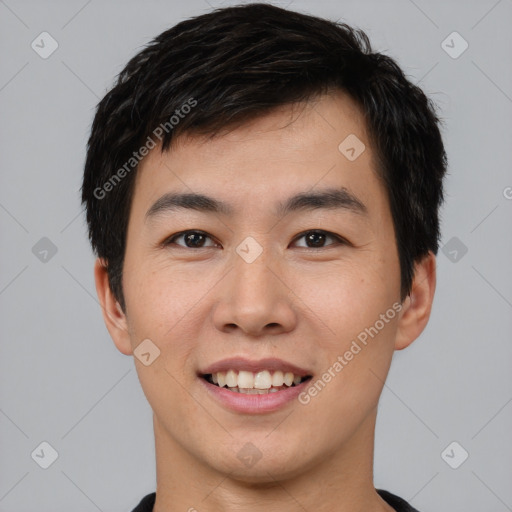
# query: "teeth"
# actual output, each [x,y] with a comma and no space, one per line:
[255,383]
[278,378]
[231,379]
[263,380]
[245,380]
[251,391]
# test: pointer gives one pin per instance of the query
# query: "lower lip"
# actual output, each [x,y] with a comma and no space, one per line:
[254,404]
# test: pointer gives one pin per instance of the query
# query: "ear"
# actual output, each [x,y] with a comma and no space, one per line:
[113,315]
[418,304]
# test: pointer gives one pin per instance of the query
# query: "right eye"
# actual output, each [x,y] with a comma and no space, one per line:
[192,238]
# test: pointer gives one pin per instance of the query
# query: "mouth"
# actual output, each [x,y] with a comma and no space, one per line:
[255,383]
[248,386]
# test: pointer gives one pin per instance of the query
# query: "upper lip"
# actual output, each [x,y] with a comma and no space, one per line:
[243,364]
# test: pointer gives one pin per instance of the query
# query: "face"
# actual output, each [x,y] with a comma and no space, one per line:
[295,288]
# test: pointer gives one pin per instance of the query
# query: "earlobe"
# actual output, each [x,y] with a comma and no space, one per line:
[113,315]
[418,304]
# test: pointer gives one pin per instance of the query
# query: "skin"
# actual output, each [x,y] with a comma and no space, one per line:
[304,305]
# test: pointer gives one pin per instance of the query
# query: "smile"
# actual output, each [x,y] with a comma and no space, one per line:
[255,383]
[245,400]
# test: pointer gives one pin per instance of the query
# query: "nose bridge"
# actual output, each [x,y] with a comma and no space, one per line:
[254,298]
[251,275]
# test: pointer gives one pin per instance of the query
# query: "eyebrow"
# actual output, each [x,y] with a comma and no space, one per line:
[330,198]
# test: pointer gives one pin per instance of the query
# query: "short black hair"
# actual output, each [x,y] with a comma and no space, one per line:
[235,64]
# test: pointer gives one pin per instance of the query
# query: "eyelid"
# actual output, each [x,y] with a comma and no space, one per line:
[338,238]
[169,240]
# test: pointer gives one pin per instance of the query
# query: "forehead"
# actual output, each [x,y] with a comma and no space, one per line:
[293,149]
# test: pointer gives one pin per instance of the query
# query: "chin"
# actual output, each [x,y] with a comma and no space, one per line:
[263,475]
[253,467]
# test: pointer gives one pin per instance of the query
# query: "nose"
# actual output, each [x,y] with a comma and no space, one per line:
[255,298]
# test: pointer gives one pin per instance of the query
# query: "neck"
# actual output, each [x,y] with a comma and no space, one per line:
[341,481]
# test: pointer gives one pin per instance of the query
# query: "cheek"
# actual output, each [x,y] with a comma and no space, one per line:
[354,357]
[156,294]
[347,298]
[165,305]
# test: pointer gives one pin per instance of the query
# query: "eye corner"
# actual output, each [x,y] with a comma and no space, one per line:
[339,240]
[170,240]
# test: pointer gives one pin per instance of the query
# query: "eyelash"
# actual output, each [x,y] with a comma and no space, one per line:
[171,240]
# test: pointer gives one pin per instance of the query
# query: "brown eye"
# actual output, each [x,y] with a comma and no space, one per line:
[193,239]
[316,238]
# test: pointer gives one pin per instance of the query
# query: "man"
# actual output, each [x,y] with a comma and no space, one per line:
[262,192]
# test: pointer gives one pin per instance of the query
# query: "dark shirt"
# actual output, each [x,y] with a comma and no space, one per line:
[399,504]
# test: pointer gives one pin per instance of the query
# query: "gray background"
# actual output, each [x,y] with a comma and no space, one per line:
[63,381]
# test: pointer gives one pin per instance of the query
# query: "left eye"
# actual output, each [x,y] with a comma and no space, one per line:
[195,239]
[317,237]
